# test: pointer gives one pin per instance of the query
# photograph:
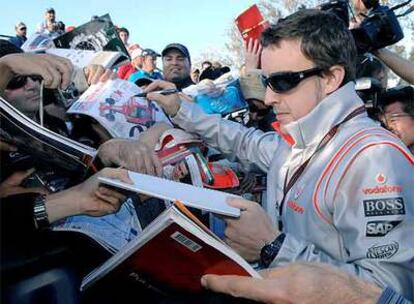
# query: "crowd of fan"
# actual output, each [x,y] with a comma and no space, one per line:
[310,233]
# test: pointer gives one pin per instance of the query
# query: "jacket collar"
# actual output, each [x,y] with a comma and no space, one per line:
[308,131]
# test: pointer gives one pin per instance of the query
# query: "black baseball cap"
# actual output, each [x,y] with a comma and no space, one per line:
[149,52]
[177,46]
[50,9]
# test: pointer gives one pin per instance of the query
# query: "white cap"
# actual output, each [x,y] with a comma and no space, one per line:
[136,53]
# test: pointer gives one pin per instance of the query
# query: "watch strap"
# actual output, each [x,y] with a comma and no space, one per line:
[40,216]
[270,251]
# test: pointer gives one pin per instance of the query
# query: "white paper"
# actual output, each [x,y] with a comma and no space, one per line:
[191,196]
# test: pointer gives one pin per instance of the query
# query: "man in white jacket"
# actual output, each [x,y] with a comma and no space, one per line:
[340,188]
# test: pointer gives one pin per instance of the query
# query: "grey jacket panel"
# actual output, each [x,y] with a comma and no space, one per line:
[353,205]
[231,138]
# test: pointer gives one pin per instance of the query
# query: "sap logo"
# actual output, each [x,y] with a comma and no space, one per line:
[382,189]
[296,207]
[383,251]
[380,228]
[384,206]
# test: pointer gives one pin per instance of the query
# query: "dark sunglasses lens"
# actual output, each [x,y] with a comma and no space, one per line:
[282,83]
[17,82]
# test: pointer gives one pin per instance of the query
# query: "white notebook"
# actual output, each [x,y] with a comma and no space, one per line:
[191,196]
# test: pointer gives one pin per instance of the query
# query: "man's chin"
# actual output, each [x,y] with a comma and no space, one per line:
[176,78]
[284,119]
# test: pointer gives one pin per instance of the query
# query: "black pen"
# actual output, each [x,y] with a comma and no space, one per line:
[163,92]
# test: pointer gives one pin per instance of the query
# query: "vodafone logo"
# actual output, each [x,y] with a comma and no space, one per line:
[380,178]
[382,189]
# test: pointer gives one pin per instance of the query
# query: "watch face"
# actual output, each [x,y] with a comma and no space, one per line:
[270,251]
[267,254]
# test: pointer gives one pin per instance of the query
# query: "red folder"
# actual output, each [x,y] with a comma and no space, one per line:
[251,23]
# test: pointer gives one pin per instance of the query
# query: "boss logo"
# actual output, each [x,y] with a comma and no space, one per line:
[384,206]
[380,228]
[383,251]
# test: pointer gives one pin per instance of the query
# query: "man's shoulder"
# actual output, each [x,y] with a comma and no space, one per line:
[365,147]
[14,39]
[157,75]
[135,75]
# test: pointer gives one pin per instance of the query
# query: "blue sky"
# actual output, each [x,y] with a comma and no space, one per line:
[200,25]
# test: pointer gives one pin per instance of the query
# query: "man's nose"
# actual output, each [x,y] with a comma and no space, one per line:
[271,97]
[174,61]
[30,84]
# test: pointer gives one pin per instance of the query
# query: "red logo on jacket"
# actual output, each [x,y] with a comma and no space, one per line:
[383,189]
[295,207]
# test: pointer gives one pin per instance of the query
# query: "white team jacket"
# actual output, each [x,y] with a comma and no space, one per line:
[353,206]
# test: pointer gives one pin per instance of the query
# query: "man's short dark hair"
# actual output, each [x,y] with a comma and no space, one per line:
[408,107]
[402,94]
[324,39]
[123,29]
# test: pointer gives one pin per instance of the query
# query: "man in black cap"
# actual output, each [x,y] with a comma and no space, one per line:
[177,65]
[149,66]
[20,37]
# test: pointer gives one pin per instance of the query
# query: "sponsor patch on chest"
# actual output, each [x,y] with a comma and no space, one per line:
[384,206]
[383,251]
[380,228]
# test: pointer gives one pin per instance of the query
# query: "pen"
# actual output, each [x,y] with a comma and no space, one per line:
[163,92]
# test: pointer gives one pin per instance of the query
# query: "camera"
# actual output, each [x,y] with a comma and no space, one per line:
[380,27]
[370,91]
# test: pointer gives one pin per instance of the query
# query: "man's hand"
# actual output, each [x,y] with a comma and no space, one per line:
[130,154]
[170,103]
[12,184]
[4,146]
[88,198]
[253,49]
[95,73]
[297,283]
[55,71]
[251,231]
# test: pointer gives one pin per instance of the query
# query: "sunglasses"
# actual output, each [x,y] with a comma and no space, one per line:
[282,82]
[388,119]
[20,81]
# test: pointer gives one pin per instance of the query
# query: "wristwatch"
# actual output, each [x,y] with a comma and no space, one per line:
[270,251]
[39,212]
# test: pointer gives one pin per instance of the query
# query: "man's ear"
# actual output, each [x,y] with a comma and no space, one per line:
[333,78]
